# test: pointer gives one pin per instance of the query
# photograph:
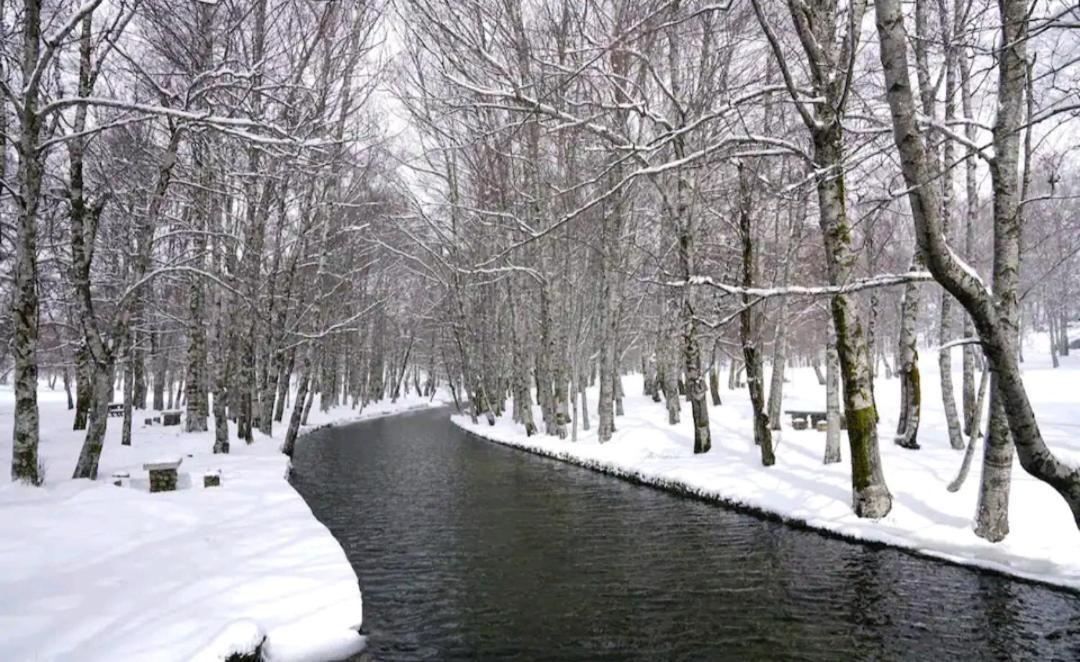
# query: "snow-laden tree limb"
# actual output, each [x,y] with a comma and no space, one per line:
[883,280]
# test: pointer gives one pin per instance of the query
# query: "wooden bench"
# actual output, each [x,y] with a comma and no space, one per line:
[814,416]
[170,418]
[116,409]
[163,474]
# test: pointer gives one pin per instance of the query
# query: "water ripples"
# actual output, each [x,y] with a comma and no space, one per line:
[467,550]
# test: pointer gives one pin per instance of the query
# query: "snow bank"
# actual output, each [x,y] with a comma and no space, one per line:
[92,571]
[1044,544]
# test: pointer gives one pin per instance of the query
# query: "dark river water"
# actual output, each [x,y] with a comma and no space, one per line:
[467,550]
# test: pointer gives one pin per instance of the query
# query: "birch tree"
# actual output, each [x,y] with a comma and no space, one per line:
[994,313]
[829,57]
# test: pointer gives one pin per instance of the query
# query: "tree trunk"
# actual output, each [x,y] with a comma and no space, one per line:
[328,381]
[670,376]
[90,454]
[617,379]
[754,378]
[965,466]
[1052,332]
[832,400]
[129,395]
[1014,86]
[696,388]
[1063,320]
[158,358]
[948,395]
[84,386]
[24,301]
[870,495]
[608,318]
[652,376]
[284,374]
[67,388]
[289,444]
[776,382]
[522,393]
[575,399]
[313,387]
[685,229]
[194,380]
[562,413]
[220,380]
[584,405]
[907,427]
[138,376]
[779,357]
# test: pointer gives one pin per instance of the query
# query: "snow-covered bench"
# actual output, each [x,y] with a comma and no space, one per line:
[212,478]
[163,474]
[799,416]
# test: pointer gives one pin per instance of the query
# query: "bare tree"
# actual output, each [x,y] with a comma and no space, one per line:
[995,314]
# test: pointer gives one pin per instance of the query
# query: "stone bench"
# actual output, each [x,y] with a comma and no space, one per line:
[212,479]
[163,474]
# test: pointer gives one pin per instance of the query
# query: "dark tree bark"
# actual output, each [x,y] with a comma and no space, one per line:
[755,380]
[24,302]
[84,389]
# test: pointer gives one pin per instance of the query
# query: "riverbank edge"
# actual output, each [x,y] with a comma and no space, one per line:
[242,569]
[686,490]
[247,649]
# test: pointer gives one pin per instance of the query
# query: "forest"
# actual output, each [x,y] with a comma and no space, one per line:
[249,210]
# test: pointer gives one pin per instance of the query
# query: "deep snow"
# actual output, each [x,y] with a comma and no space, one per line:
[1043,545]
[91,571]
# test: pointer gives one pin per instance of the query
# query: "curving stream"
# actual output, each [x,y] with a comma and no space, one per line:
[468,550]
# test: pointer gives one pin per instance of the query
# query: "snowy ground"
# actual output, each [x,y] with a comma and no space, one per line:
[91,571]
[1043,545]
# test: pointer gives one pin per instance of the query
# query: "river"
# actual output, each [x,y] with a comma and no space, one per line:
[467,550]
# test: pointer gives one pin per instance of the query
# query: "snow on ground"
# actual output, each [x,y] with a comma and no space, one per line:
[1043,545]
[91,571]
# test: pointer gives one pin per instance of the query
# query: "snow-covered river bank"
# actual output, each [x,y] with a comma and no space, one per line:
[1044,544]
[97,572]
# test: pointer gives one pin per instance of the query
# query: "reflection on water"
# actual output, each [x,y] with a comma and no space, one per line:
[468,550]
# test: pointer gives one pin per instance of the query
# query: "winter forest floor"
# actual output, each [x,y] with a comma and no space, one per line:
[1044,544]
[93,571]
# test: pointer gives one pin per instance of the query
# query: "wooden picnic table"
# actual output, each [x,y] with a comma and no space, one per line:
[814,415]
